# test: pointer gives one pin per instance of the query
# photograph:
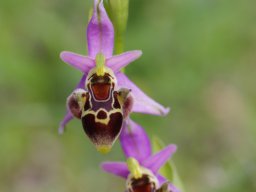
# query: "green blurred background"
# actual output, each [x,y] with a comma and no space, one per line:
[199,58]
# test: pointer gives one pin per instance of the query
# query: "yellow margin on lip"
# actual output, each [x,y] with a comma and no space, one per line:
[104,149]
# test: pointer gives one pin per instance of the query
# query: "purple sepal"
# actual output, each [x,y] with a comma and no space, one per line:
[156,161]
[117,168]
[134,141]
[142,102]
[100,32]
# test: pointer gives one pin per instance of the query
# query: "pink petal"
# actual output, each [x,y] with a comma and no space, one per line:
[134,141]
[162,180]
[100,32]
[119,61]
[117,168]
[80,62]
[155,162]
[142,102]
[68,117]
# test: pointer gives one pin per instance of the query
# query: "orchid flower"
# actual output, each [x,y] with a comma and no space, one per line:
[141,169]
[104,96]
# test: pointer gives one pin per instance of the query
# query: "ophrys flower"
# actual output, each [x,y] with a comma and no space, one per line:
[142,168]
[104,96]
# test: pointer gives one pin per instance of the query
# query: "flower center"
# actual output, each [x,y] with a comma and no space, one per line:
[144,184]
[140,178]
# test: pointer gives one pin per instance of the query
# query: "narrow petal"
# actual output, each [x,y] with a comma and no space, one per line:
[80,62]
[134,141]
[68,117]
[119,61]
[155,162]
[142,102]
[163,180]
[103,134]
[117,168]
[100,32]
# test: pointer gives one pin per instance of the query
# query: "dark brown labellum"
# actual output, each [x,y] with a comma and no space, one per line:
[102,134]
[102,115]
[142,185]
[102,109]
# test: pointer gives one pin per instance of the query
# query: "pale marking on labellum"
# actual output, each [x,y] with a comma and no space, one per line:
[103,121]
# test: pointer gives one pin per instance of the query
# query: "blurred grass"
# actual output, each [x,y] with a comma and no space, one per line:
[198,58]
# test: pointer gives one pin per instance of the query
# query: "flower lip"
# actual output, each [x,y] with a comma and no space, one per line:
[143,184]
[102,132]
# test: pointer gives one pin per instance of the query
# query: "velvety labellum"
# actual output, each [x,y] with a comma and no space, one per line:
[103,109]
[143,184]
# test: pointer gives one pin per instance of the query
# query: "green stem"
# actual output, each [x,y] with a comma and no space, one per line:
[119,43]
[118,13]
